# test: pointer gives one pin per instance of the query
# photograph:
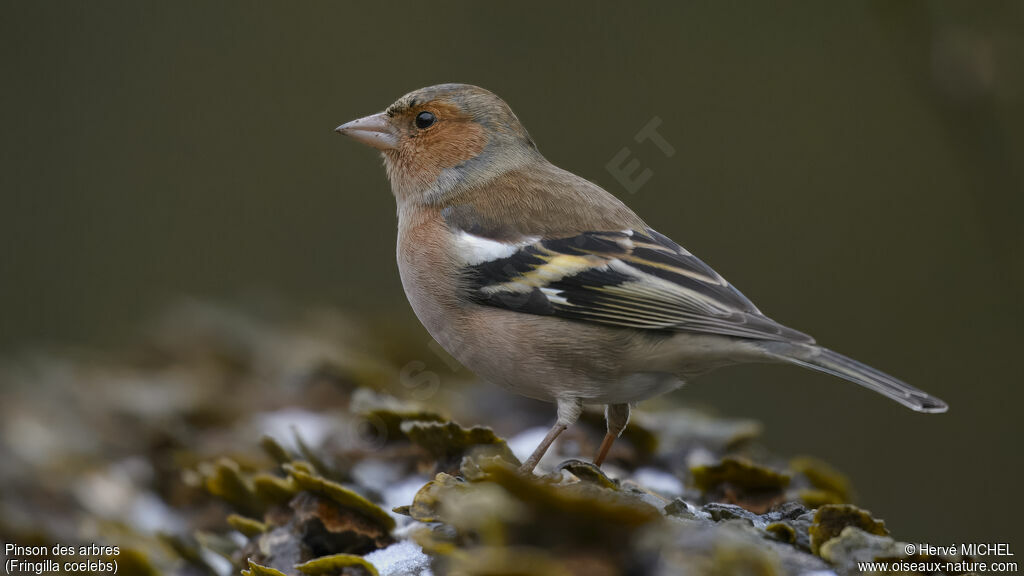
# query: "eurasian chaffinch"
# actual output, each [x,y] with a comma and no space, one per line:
[546,284]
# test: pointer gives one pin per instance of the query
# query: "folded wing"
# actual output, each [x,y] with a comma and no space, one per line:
[631,278]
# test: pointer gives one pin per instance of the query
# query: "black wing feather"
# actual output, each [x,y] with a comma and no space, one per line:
[634,279]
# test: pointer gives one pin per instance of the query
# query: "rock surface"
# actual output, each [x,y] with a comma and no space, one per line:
[296,445]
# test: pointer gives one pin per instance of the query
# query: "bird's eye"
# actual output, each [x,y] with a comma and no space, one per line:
[425,120]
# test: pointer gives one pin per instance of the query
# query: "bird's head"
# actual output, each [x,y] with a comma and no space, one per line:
[440,139]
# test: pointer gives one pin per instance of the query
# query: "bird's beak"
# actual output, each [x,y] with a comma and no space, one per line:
[373,131]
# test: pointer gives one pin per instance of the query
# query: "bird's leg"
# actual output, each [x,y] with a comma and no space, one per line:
[569,410]
[617,416]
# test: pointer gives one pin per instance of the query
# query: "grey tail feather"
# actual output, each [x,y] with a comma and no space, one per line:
[829,362]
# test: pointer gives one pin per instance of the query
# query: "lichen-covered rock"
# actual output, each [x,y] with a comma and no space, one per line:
[448,443]
[741,482]
[346,499]
[830,520]
[323,434]
[581,522]
[853,545]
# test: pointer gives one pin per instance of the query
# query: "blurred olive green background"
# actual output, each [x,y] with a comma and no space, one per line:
[855,168]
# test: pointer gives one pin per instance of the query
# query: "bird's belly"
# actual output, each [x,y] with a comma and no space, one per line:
[539,357]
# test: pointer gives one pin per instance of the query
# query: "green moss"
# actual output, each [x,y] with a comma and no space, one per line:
[338,565]
[342,496]
[831,519]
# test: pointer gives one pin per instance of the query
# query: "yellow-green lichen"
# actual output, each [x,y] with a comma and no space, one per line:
[272,489]
[249,527]
[510,509]
[814,498]
[580,502]
[226,481]
[831,519]
[447,442]
[589,473]
[854,545]
[274,449]
[739,481]
[823,478]
[738,472]
[258,570]
[342,496]
[390,420]
[426,505]
[338,565]
[782,532]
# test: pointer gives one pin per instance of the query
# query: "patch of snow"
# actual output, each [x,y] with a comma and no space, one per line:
[113,494]
[377,474]
[658,481]
[221,565]
[148,513]
[404,558]
[282,425]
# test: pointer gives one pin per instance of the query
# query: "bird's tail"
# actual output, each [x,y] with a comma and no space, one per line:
[829,362]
